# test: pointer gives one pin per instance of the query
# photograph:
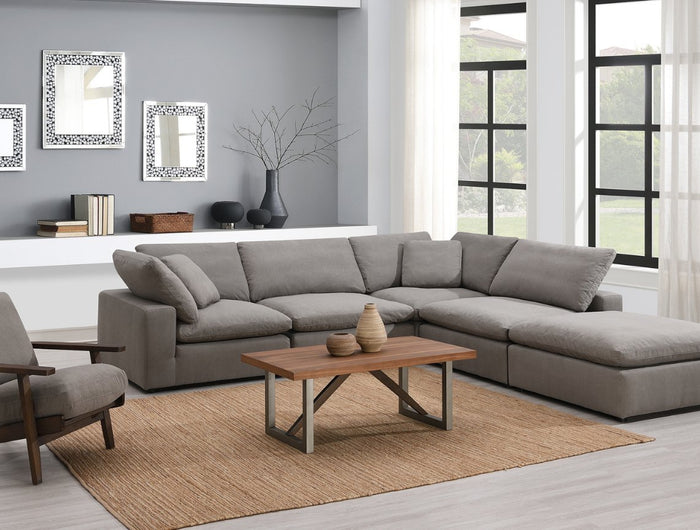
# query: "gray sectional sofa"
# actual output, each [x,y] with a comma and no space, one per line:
[532,311]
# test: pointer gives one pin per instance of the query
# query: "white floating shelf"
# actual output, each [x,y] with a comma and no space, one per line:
[335,4]
[51,252]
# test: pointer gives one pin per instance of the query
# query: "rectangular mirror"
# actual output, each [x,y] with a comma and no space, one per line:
[174,141]
[83,100]
[12,137]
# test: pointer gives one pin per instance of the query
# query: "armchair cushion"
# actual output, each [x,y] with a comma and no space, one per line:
[70,392]
[198,284]
[431,264]
[15,346]
[149,278]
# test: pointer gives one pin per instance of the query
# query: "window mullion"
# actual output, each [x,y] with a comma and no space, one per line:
[648,159]
[490,152]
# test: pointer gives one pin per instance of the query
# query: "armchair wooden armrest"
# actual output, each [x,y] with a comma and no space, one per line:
[93,347]
[23,369]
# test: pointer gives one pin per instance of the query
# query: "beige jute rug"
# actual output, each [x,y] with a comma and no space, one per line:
[201,456]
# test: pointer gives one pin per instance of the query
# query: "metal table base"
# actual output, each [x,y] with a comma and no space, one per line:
[407,405]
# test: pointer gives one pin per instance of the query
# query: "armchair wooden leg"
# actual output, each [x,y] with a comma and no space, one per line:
[30,428]
[107,433]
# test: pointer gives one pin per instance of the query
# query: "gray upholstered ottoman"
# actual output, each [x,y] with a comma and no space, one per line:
[622,364]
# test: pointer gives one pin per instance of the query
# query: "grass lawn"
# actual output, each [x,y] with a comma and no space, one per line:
[623,231]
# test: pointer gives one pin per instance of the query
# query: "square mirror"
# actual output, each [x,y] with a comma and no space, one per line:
[174,141]
[12,137]
[83,100]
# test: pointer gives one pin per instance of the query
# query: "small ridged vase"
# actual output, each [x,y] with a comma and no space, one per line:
[371,333]
[341,344]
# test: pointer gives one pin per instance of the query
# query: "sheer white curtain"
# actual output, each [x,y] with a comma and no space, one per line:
[679,237]
[431,117]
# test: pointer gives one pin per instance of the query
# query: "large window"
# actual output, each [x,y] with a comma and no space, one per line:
[493,109]
[624,96]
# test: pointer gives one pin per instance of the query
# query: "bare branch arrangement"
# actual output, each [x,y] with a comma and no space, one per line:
[277,146]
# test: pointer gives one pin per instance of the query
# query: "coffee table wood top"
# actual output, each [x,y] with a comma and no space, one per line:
[310,362]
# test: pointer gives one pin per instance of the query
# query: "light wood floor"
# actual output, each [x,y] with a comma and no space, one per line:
[654,485]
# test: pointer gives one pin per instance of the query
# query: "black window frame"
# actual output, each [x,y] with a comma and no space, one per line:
[490,67]
[649,128]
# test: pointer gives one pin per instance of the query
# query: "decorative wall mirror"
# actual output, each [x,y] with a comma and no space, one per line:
[83,100]
[174,141]
[12,137]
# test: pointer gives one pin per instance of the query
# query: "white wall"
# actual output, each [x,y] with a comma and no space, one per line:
[368,77]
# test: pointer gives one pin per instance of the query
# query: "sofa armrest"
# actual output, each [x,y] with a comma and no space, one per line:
[606,301]
[147,329]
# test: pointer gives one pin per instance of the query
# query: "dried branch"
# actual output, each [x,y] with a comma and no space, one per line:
[275,148]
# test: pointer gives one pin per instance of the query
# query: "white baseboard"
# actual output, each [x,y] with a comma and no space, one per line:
[64,334]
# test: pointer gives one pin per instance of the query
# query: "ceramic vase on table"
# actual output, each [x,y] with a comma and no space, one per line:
[272,200]
[371,333]
[341,344]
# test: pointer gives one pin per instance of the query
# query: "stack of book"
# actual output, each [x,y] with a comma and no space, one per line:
[60,228]
[97,210]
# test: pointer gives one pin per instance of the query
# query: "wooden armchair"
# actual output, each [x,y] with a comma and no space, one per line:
[56,402]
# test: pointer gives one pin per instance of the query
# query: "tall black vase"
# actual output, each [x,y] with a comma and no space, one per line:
[272,200]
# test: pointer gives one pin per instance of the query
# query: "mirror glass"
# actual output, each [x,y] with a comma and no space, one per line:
[175,141]
[83,99]
[6,137]
[12,137]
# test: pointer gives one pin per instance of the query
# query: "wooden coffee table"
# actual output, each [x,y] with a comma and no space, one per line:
[308,363]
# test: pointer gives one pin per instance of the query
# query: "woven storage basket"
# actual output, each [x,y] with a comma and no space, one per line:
[155,223]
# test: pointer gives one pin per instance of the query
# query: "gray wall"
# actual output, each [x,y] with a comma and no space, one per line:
[234,58]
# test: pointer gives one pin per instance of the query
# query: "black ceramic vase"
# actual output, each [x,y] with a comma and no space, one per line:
[272,201]
[227,213]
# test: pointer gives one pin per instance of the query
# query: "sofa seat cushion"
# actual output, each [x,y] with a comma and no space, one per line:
[324,311]
[561,275]
[233,319]
[491,317]
[419,297]
[69,392]
[613,338]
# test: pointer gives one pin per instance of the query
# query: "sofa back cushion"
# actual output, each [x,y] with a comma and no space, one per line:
[482,256]
[198,284]
[282,268]
[220,261]
[148,277]
[431,264]
[380,257]
[560,275]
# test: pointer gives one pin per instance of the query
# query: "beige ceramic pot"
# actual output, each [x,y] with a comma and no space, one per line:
[341,344]
[371,333]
